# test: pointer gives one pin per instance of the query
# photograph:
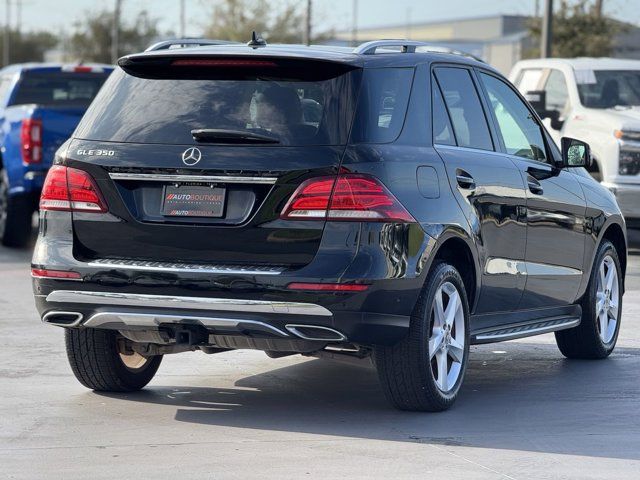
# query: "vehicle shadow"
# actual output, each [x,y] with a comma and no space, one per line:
[516,396]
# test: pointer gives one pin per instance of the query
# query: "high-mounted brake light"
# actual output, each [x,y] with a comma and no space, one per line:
[221,62]
[71,190]
[347,197]
[31,141]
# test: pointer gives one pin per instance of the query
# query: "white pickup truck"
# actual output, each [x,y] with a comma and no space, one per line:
[596,100]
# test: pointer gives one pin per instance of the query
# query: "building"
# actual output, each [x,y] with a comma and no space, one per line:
[500,40]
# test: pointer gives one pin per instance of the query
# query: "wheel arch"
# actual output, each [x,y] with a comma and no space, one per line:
[615,234]
[459,252]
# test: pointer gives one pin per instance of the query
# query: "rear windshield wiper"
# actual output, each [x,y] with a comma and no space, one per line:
[218,135]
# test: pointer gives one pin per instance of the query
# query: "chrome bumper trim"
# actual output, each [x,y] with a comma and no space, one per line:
[195,303]
[159,177]
[143,265]
[127,321]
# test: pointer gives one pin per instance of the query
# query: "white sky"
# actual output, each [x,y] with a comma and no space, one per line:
[60,15]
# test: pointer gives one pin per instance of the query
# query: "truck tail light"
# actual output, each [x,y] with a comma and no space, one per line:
[31,141]
[347,197]
[71,190]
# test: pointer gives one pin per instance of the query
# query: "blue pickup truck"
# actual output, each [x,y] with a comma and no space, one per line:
[40,106]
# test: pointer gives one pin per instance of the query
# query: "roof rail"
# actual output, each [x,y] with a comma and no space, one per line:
[185,43]
[409,46]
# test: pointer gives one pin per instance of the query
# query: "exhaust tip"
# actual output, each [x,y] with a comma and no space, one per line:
[63,319]
[314,332]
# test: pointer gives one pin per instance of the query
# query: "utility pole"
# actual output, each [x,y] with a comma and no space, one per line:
[547,30]
[354,25]
[598,8]
[6,47]
[306,35]
[115,31]
[182,19]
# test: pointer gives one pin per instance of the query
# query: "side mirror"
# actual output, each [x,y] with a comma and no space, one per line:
[554,119]
[538,100]
[575,153]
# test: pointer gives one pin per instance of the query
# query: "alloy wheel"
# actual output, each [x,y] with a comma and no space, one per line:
[607,299]
[447,337]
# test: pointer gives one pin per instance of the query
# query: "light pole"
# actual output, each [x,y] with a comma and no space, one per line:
[115,31]
[6,40]
[182,19]
[547,30]
[306,35]
[354,25]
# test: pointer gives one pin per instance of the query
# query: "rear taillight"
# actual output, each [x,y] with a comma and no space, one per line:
[347,197]
[31,141]
[70,189]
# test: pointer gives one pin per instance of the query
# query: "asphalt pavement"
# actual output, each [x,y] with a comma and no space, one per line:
[524,412]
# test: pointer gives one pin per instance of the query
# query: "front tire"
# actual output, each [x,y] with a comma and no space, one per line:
[597,334]
[424,371]
[15,216]
[100,363]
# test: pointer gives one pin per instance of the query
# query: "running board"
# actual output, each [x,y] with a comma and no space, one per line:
[521,330]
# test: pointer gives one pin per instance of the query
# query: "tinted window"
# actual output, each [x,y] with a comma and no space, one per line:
[521,133]
[442,131]
[294,111]
[608,88]
[383,104]
[557,93]
[460,95]
[58,88]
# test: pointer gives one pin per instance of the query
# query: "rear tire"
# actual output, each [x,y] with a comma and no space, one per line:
[98,364]
[410,371]
[597,334]
[15,216]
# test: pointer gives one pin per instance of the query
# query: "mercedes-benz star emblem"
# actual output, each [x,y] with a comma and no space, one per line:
[191,156]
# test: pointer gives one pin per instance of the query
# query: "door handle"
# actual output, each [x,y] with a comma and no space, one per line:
[465,180]
[534,186]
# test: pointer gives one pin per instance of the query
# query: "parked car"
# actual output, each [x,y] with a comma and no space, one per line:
[40,106]
[596,100]
[202,204]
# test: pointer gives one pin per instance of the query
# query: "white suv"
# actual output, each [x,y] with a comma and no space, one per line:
[596,100]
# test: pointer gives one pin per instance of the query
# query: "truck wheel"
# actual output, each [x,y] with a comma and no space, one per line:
[99,362]
[597,333]
[15,216]
[425,370]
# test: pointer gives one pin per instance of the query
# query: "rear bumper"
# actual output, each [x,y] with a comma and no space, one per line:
[258,319]
[240,300]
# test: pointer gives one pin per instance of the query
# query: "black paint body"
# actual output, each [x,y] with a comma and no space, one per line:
[499,226]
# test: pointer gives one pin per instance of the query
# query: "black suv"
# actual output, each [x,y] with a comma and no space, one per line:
[387,200]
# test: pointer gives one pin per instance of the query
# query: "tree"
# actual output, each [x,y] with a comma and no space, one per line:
[92,40]
[579,30]
[236,19]
[28,47]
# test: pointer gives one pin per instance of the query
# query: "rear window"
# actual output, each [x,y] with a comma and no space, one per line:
[304,109]
[383,105]
[58,88]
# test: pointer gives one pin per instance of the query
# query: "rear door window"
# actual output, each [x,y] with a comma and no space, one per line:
[382,106]
[294,106]
[463,103]
[442,130]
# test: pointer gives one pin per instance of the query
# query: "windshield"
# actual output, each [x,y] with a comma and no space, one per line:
[609,88]
[310,111]
[58,88]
